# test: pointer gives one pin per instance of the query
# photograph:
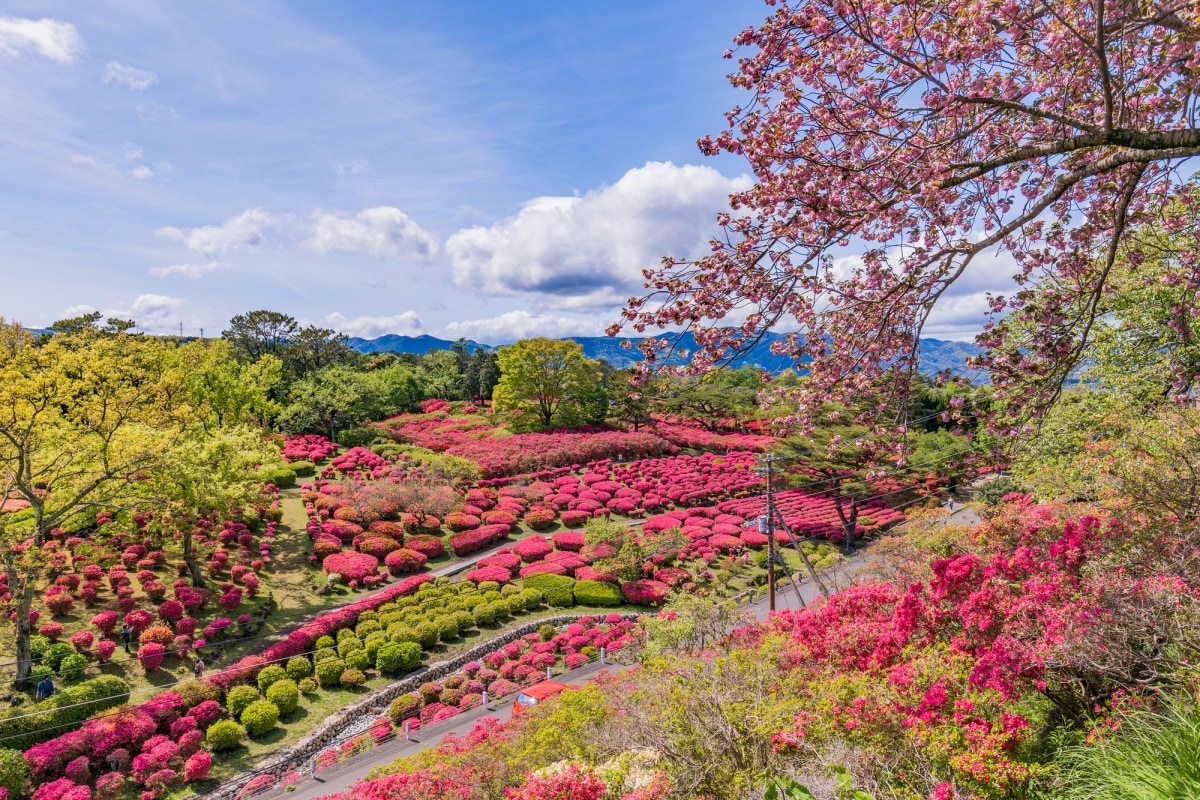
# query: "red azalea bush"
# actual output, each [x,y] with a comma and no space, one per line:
[350,565]
[568,540]
[459,522]
[478,539]
[404,561]
[496,574]
[539,519]
[645,592]
[575,518]
[378,546]
[106,621]
[532,548]
[150,656]
[428,546]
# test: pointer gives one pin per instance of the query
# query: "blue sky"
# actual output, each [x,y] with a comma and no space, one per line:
[480,169]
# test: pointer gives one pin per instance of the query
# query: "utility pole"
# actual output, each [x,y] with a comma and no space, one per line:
[766,526]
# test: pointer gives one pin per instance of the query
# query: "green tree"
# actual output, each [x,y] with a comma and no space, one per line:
[546,382]
[203,474]
[631,402]
[224,390]
[83,417]
[442,374]
[261,332]
[719,400]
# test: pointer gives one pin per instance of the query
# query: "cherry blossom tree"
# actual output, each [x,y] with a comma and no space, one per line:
[898,147]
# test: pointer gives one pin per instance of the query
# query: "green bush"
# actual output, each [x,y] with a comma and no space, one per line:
[427,634]
[55,654]
[23,726]
[509,590]
[324,654]
[349,645]
[463,620]
[365,628]
[403,707]
[544,582]
[373,642]
[448,629]
[281,476]
[72,666]
[484,615]
[224,734]
[260,717]
[38,672]
[329,672]
[472,601]
[269,674]
[560,597]
[351,678]
[324,641]
[299,668]
[307,686]
[302,468]
[14,771]
[238,698]
[597,593]
[406,634]
[547,632]
[394,658]
[488,586]
[492,595]
[531,598]
[357,659]
[285,694]
[196,692]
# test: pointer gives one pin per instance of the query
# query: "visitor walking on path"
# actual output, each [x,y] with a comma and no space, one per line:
[45,688]
[127,636]
[199,666]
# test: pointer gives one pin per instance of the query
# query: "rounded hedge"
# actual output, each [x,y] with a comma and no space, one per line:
[260,717]
[352,677]
[299,668]
[239,697]
[72,666]
[13,772]
[324,641]
[404,706]
[401,657]
[23,726]
[308,686]
[224,735]
[269,675]
[358,659]
[560,597]
[285,694]
[597,593]
[329,671]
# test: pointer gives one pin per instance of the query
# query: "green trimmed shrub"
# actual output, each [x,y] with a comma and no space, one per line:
[405,635]
[349,645]
[463,620]
[55,654]
[72,666]
[238,698]
[484,615]
[373,642]
[324,654]
[364,629]
[488,586]
[447,629]
[472,601]
[285,694]
[308,686]
[427,634]
[324,641]
[299,668]
[597,593]
[402,657]
[509,590]
[224,734]
[302,468]
[23,726]
[345,633]
[403,707]
[493,595]
[269,675]
[543,582]
[530,598]
[351,678]
[196,692]
[358,659]
[14,771]
[560,597]
[259,717]
[329,671]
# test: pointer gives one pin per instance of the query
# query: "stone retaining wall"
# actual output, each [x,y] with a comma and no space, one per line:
[375,704]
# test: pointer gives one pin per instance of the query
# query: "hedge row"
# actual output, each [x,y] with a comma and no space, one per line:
[24,725]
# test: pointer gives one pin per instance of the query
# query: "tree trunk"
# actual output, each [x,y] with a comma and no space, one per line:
[24,629]
[849,522]
[189,558]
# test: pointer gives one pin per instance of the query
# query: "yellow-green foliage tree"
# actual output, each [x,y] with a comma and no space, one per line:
[83,417]
[548,383]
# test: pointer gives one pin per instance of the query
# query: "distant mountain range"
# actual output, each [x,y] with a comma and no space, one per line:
[936,354]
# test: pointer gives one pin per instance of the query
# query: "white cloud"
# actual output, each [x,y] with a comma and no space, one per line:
[245,230]
[141,172]
[57,41]
[589,251]
[515,325]
[76,311]
[136,79]
[193,271]
[406,324]
[380,232]
[355,167]
[154,313]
